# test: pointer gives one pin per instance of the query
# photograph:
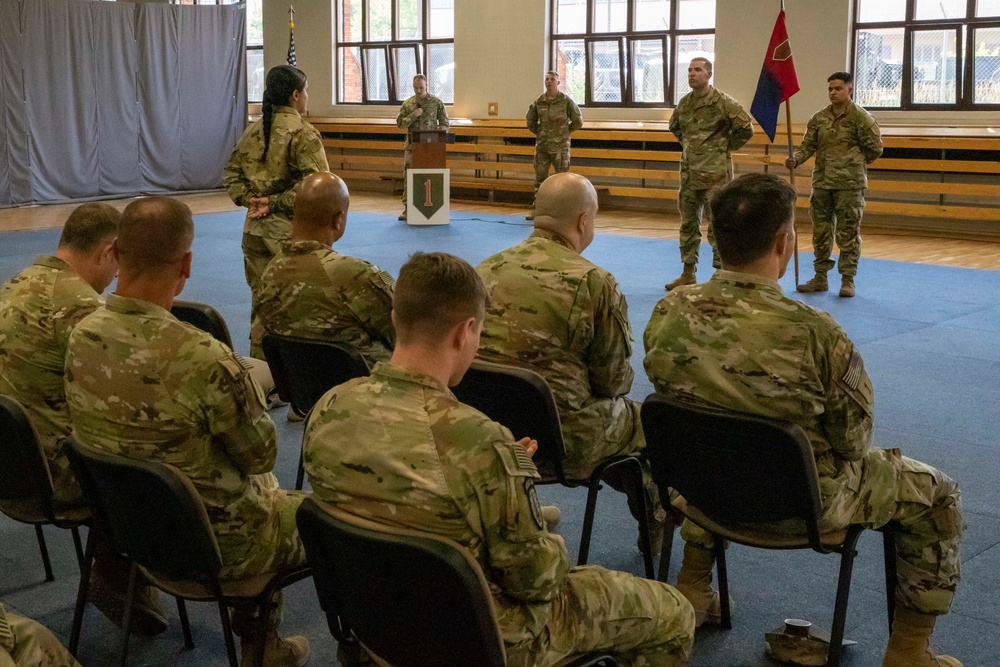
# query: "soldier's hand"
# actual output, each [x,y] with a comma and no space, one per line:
[259,207]
[418,113]
[530,446]
[791,162]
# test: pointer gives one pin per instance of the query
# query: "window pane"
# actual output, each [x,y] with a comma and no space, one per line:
[878,69]
[652,15]
[882,10]
[688,47]
[610,15]
[441,72]
[255,75]
[376,79]
[572,68]
[571,16]
[988,8]
[350,21]
[694,14]
[987,67]
[406,69]
[255,23]
[379,20]
[647,70]
[411,24]
[606,71]
[442,23]
[934,61]
[928,10]
[350,74]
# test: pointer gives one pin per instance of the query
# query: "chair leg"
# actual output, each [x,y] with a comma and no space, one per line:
[665,552]
[889,555]
[185,624]
[720,565]
[301,474]
[647,553]
[133,578]
[847,554]
[81,594]
[227,632]
[588,519]
[79,547]
[263,620]
[45,553]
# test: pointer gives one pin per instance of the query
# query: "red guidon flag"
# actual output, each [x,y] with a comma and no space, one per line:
[777,79]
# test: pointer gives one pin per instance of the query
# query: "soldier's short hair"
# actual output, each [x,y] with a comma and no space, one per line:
[708,63]
[843,76]
[434,292]
[88,226]
[155,231]
[552,73]
[421,77]
[747,215]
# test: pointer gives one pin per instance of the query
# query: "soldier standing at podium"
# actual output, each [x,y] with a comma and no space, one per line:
[423,111]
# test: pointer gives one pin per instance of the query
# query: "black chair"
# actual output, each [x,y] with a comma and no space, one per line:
[305,369]
[522,401]
[204,317]
[737,475]
[154,517]
[26,491]
[413,599]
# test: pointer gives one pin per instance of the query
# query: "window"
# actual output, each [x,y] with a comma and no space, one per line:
[382,44]
[629,52]
[927,54]
[255,43]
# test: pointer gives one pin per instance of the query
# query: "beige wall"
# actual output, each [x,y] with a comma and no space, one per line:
[501,55]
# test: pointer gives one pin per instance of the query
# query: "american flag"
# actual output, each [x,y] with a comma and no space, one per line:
[291,37]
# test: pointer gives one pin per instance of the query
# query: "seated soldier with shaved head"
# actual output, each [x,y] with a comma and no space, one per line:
[560,315]
[311,291]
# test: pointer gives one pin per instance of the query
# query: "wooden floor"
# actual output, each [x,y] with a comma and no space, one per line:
[918,249]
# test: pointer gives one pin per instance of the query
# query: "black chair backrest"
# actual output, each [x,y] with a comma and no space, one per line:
[24,472]
[204,317]
[735,468]
[522,401]
[152,512]
[415,600]
[305,369]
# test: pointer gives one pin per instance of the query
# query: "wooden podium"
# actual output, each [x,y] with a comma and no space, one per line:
[428,182]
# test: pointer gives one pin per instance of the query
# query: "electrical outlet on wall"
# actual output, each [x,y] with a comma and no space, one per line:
[493,108]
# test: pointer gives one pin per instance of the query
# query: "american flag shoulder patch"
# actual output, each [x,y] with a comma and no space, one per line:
[855,370]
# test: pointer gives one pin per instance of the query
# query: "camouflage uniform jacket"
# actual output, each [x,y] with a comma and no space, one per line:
[142,384]
[38,309]
[556,313]
[843,145]
[311,291]
[27,643]
[432,464]
[434,116]
[709,129]
[736,342]
[296,151]
[553,120]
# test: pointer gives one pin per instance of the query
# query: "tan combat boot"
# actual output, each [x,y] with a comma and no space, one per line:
[686,278]
[909,643]
[278,652]
[817,284]
[694,581]
[847,286]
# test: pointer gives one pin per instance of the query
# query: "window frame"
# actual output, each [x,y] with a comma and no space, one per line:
[627,40]
[389,48]
[964,28]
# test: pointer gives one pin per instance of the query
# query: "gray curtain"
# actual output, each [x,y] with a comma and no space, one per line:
[114,99]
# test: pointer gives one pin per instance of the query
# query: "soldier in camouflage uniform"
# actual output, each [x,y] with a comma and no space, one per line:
[271,158]
[558,314]
[311,291]
[423,111]
[27,643]
[709,125]
[784,360]
[845,139]
[435,465]
[141,384]
[552,118]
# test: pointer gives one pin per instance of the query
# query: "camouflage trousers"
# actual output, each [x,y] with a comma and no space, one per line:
[692,205]
[640,622]
[407,161]
[258,251]
[34,645]
[837,213]
[558,159]
[918,502]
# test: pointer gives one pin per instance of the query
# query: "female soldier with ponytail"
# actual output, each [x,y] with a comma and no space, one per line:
[269,161]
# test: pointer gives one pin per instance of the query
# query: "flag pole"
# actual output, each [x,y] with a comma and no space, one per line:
[791,177]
